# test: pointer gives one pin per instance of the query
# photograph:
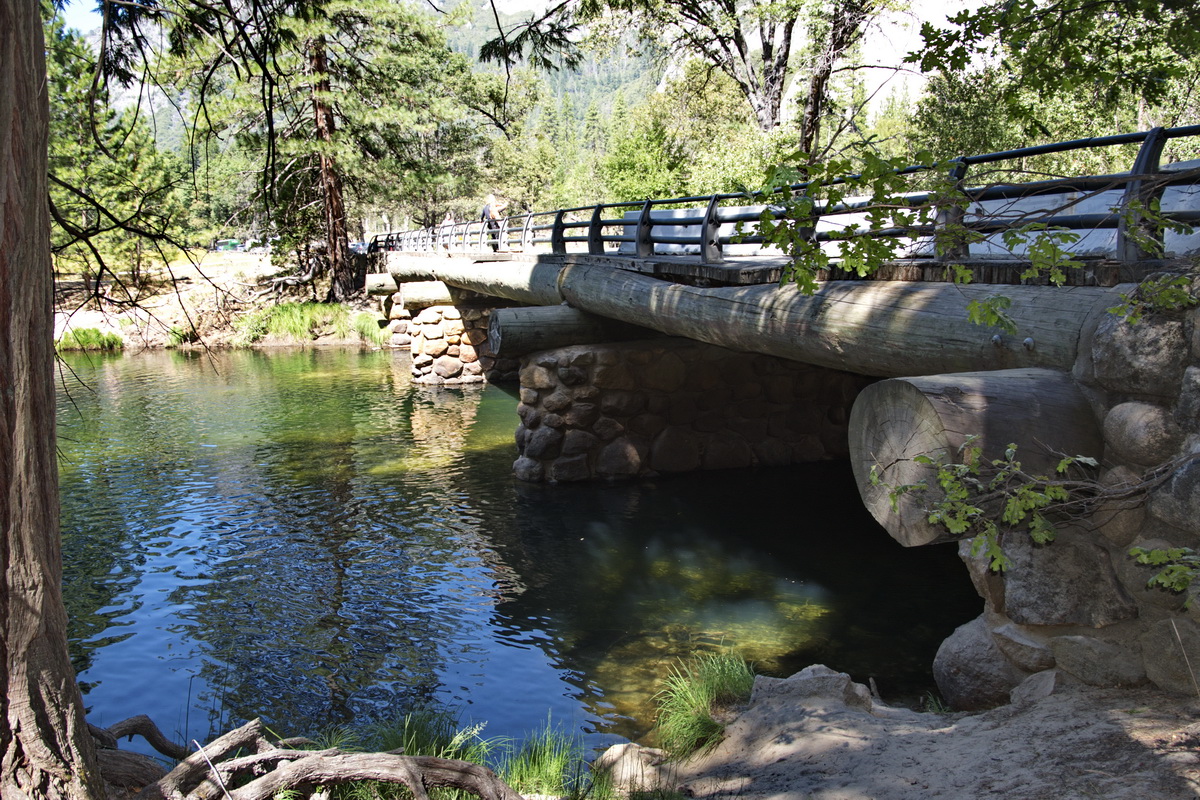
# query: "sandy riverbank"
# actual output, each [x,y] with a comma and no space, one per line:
[818,736]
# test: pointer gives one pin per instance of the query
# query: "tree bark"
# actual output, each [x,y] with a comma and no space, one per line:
[46,751]
[1041,411]
[845,28]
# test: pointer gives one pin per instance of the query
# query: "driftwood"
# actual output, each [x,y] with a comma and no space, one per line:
[244,765]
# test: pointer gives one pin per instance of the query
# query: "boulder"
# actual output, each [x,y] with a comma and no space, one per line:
[1069,581]
[1143,359]
[634,770]
[1037,687]
[1097,662]
[815,681]
[971,671]
[1177,502]
[1171,653]
[1143,433]
[1023,649]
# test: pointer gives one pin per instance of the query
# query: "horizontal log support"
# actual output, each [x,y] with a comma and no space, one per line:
[380,284]
[1041,411]
[524,281]
[878,328]
[423,294]
[884,329]
[514,332]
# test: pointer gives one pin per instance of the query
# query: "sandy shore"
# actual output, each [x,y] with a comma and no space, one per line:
[818,736]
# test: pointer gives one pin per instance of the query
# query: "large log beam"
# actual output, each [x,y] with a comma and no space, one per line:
[514,332]
[524,281]
[380,284]
[418,295]
[880,328]
[1041,411]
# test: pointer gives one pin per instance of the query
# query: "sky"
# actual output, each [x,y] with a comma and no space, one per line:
[81,15]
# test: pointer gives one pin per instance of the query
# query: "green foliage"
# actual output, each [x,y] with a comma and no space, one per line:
[1161,294]
[366,325]
[89,339]
[548,762]
[1181,566]
[1045,249]
[117,203]
[979,498]
[934,704]
[434,732]
[692,693]
[179,335]
[1059,46]
[303,322]
[790,221]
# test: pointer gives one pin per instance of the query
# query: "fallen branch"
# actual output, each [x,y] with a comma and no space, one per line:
[214,771]
[143,726]
[417,773]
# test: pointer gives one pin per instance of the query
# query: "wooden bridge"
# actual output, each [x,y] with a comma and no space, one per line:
[682,267]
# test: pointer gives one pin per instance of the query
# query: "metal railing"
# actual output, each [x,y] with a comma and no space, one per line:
[1108,212]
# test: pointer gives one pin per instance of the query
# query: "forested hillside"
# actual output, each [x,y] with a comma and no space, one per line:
[379,116]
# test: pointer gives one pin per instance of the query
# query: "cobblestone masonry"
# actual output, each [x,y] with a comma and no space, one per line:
[637,409]
[1081,605]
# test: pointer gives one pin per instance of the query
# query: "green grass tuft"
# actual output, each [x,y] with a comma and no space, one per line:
[550,761]
[692,693]
[89,339]
[366,325]
[179,335]
[303,322]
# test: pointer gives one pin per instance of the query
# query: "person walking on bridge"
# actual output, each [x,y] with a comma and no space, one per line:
[491,216]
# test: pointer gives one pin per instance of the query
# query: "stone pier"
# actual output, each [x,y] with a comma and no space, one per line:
[639,409]
[449,345]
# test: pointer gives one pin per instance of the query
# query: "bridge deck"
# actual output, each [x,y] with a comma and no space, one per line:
[765,269]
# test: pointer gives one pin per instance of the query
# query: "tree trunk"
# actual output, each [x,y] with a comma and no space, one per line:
[341,266]
[46,752]
[845,28]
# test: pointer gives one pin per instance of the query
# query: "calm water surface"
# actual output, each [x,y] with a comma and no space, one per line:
[307,537]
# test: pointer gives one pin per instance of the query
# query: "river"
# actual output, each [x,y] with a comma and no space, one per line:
[305,536]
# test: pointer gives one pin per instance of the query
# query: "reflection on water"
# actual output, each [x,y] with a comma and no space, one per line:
[306,536]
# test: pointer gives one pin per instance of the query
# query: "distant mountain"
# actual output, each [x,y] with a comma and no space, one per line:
[599,78]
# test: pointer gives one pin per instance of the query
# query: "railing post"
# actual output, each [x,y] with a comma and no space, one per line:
[1132,230]
[595,239]
[526,233]
[710,235]
[645,240]
[956,247]
[557,245]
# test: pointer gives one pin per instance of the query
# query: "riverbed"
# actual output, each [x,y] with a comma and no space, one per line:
[304,535]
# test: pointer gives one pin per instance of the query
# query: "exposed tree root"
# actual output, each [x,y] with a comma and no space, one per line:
[244,765]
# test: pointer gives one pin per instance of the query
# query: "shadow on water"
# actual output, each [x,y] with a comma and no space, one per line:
[306,536]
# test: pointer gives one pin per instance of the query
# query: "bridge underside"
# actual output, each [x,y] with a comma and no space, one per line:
[742,375]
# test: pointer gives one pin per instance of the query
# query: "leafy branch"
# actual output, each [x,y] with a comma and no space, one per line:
[980,499]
